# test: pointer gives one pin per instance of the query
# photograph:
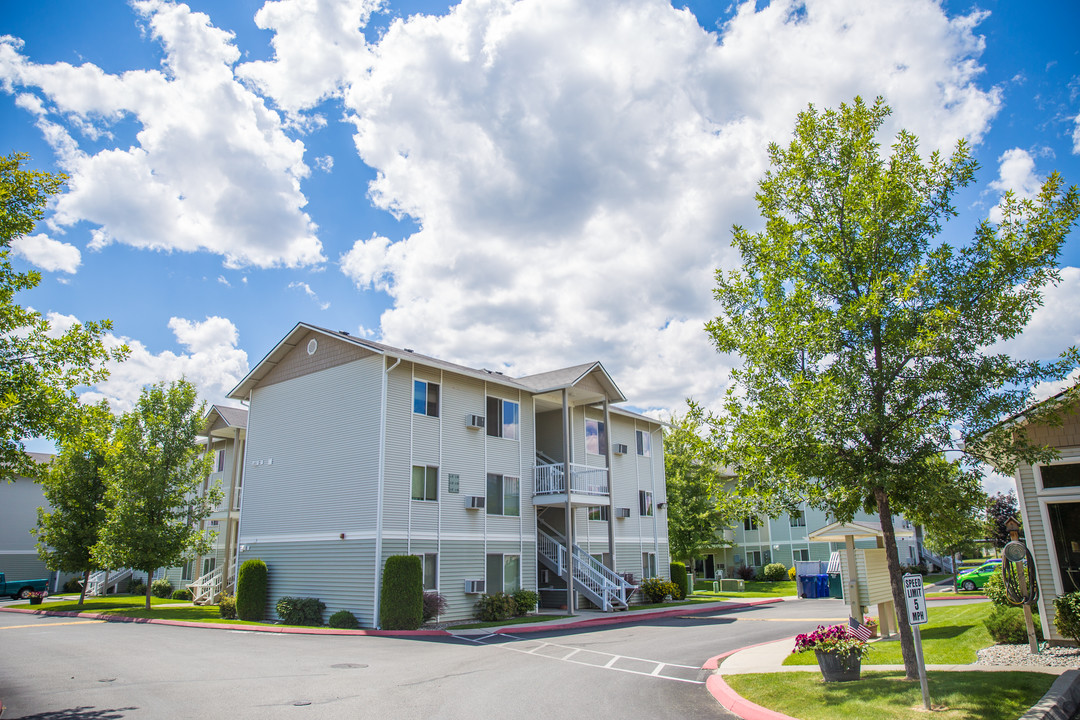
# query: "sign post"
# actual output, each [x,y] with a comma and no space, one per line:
[916,612]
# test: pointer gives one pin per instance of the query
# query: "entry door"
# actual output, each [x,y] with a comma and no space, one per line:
[1065,530]
[710,568]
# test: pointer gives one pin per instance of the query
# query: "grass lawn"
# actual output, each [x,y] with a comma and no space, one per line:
[950,637]
[98,604]
[754,589]
[134,606]
[887,696]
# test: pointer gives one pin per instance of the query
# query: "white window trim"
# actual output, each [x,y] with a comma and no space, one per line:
[502,487]
[1054,492]
[423,576]
[425,499]
[438,403]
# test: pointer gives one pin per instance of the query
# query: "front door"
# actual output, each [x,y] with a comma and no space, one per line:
[1065,530]
[710,568]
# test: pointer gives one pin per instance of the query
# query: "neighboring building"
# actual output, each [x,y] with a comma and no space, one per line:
[1049,498]
[357,451]
[784,540]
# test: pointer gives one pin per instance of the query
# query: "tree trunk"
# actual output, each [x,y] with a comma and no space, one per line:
[85,584]
[149,584]
[907,640]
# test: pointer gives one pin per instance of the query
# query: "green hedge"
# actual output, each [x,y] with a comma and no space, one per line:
[402,600]
[251,585]
[344,620]
[1006,625]
[1067,615]
[300,611]
[682,582]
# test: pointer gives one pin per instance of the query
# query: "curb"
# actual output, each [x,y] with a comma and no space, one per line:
[731,700]
[1060,701]
[510,629]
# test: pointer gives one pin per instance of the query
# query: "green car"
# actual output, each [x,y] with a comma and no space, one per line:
[977,577]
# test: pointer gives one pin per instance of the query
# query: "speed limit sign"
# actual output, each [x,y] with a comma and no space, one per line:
[916,600]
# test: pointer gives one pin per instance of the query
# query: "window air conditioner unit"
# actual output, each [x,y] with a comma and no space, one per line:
[475,502]
[619,449]
[474,587]
[622,512]
[474,421]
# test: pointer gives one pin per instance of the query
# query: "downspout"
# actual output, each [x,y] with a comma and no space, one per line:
[569,507]
[611,485]
[240,519]
[379,500]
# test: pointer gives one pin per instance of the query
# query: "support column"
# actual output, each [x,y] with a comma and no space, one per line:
[852,589]
[611,486]
[569,508]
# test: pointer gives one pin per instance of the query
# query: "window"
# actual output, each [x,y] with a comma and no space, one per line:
[648,564]
[208,565]
[599,512]
[503,418]
[425,482]
[753,558]
[798,519]
[911,553]
[645,504]
[429,562]
[1060,476]
[503,495]
[220,463]
[802,555]
[185,574]
[503,573]
[425,398]
[749,523]
[644,443]
[595,437]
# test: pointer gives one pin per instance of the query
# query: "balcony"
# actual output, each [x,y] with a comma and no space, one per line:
[588,483]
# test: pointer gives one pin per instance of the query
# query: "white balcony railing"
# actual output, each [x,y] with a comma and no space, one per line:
[232,504]
[584,480]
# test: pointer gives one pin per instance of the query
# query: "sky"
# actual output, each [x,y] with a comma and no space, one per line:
[518,186]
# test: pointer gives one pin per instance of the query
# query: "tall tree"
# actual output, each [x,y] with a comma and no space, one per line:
[40,368]
[74,486]
[154,497]
[694,481]
[864,346]
[999,509]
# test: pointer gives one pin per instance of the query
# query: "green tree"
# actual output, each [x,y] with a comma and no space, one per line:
[951,515]
[1001,508]
[864,347]
[40,369]
[155,477]
[694,483]
[74,487]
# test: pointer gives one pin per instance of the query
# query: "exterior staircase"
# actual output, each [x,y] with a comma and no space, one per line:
[100,581]
[944,562]
[604,587]
[205,589]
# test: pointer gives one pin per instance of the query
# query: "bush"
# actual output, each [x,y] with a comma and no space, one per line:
[1006,625]
[745,572]
[300,611]
[994,589]
[656,589]
[913,570]
[525,602]
[495,607]
[774,572]
[344,620]
[251,583]
[434,605]
[681,581]
[791,573]
[182,594]
[74,585]
[1067,615]
[227,607]
[402,598]
[161,588]
[137,586]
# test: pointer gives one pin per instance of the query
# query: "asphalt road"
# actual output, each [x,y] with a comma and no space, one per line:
[53,668]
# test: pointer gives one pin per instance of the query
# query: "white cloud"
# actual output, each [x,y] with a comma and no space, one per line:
[310,293]
[1054,326]
[1016,172]
[47,254]
[210,359]
[325,163]
[1076,136]
[212,168]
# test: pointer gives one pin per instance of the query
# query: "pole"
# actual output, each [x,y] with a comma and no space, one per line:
[922,667]
[1033,642]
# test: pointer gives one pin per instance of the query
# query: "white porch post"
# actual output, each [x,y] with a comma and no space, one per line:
[569,507]
[610,486]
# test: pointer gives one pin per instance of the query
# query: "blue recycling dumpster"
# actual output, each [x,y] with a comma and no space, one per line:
[808,587]
[822,582]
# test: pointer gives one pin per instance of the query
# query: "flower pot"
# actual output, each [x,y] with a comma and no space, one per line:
[36,600]
[839,667]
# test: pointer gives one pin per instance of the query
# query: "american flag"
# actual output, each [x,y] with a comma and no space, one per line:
[859,630]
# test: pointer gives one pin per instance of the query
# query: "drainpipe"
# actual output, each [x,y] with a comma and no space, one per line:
[569,508]
[379,499]
[243,468]
[611,486]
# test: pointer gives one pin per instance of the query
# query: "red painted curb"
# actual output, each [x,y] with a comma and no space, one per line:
[625,619]
[737,704]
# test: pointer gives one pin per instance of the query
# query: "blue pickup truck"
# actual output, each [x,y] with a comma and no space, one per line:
[21,588]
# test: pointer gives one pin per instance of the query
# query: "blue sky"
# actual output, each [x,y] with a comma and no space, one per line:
[518,186]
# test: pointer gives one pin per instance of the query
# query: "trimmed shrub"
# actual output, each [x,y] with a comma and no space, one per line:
[496,607]
[182,594]
[791,573]
[434,605]
[227,607]
[682,582]
[774,572]
[343,620]
[1067,615]
[402,598]
[525,602]
[73,585]
[251,584]
[745,572]
[1006,625]
[161,588]
[300,611]
[137,586]
[656,589]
